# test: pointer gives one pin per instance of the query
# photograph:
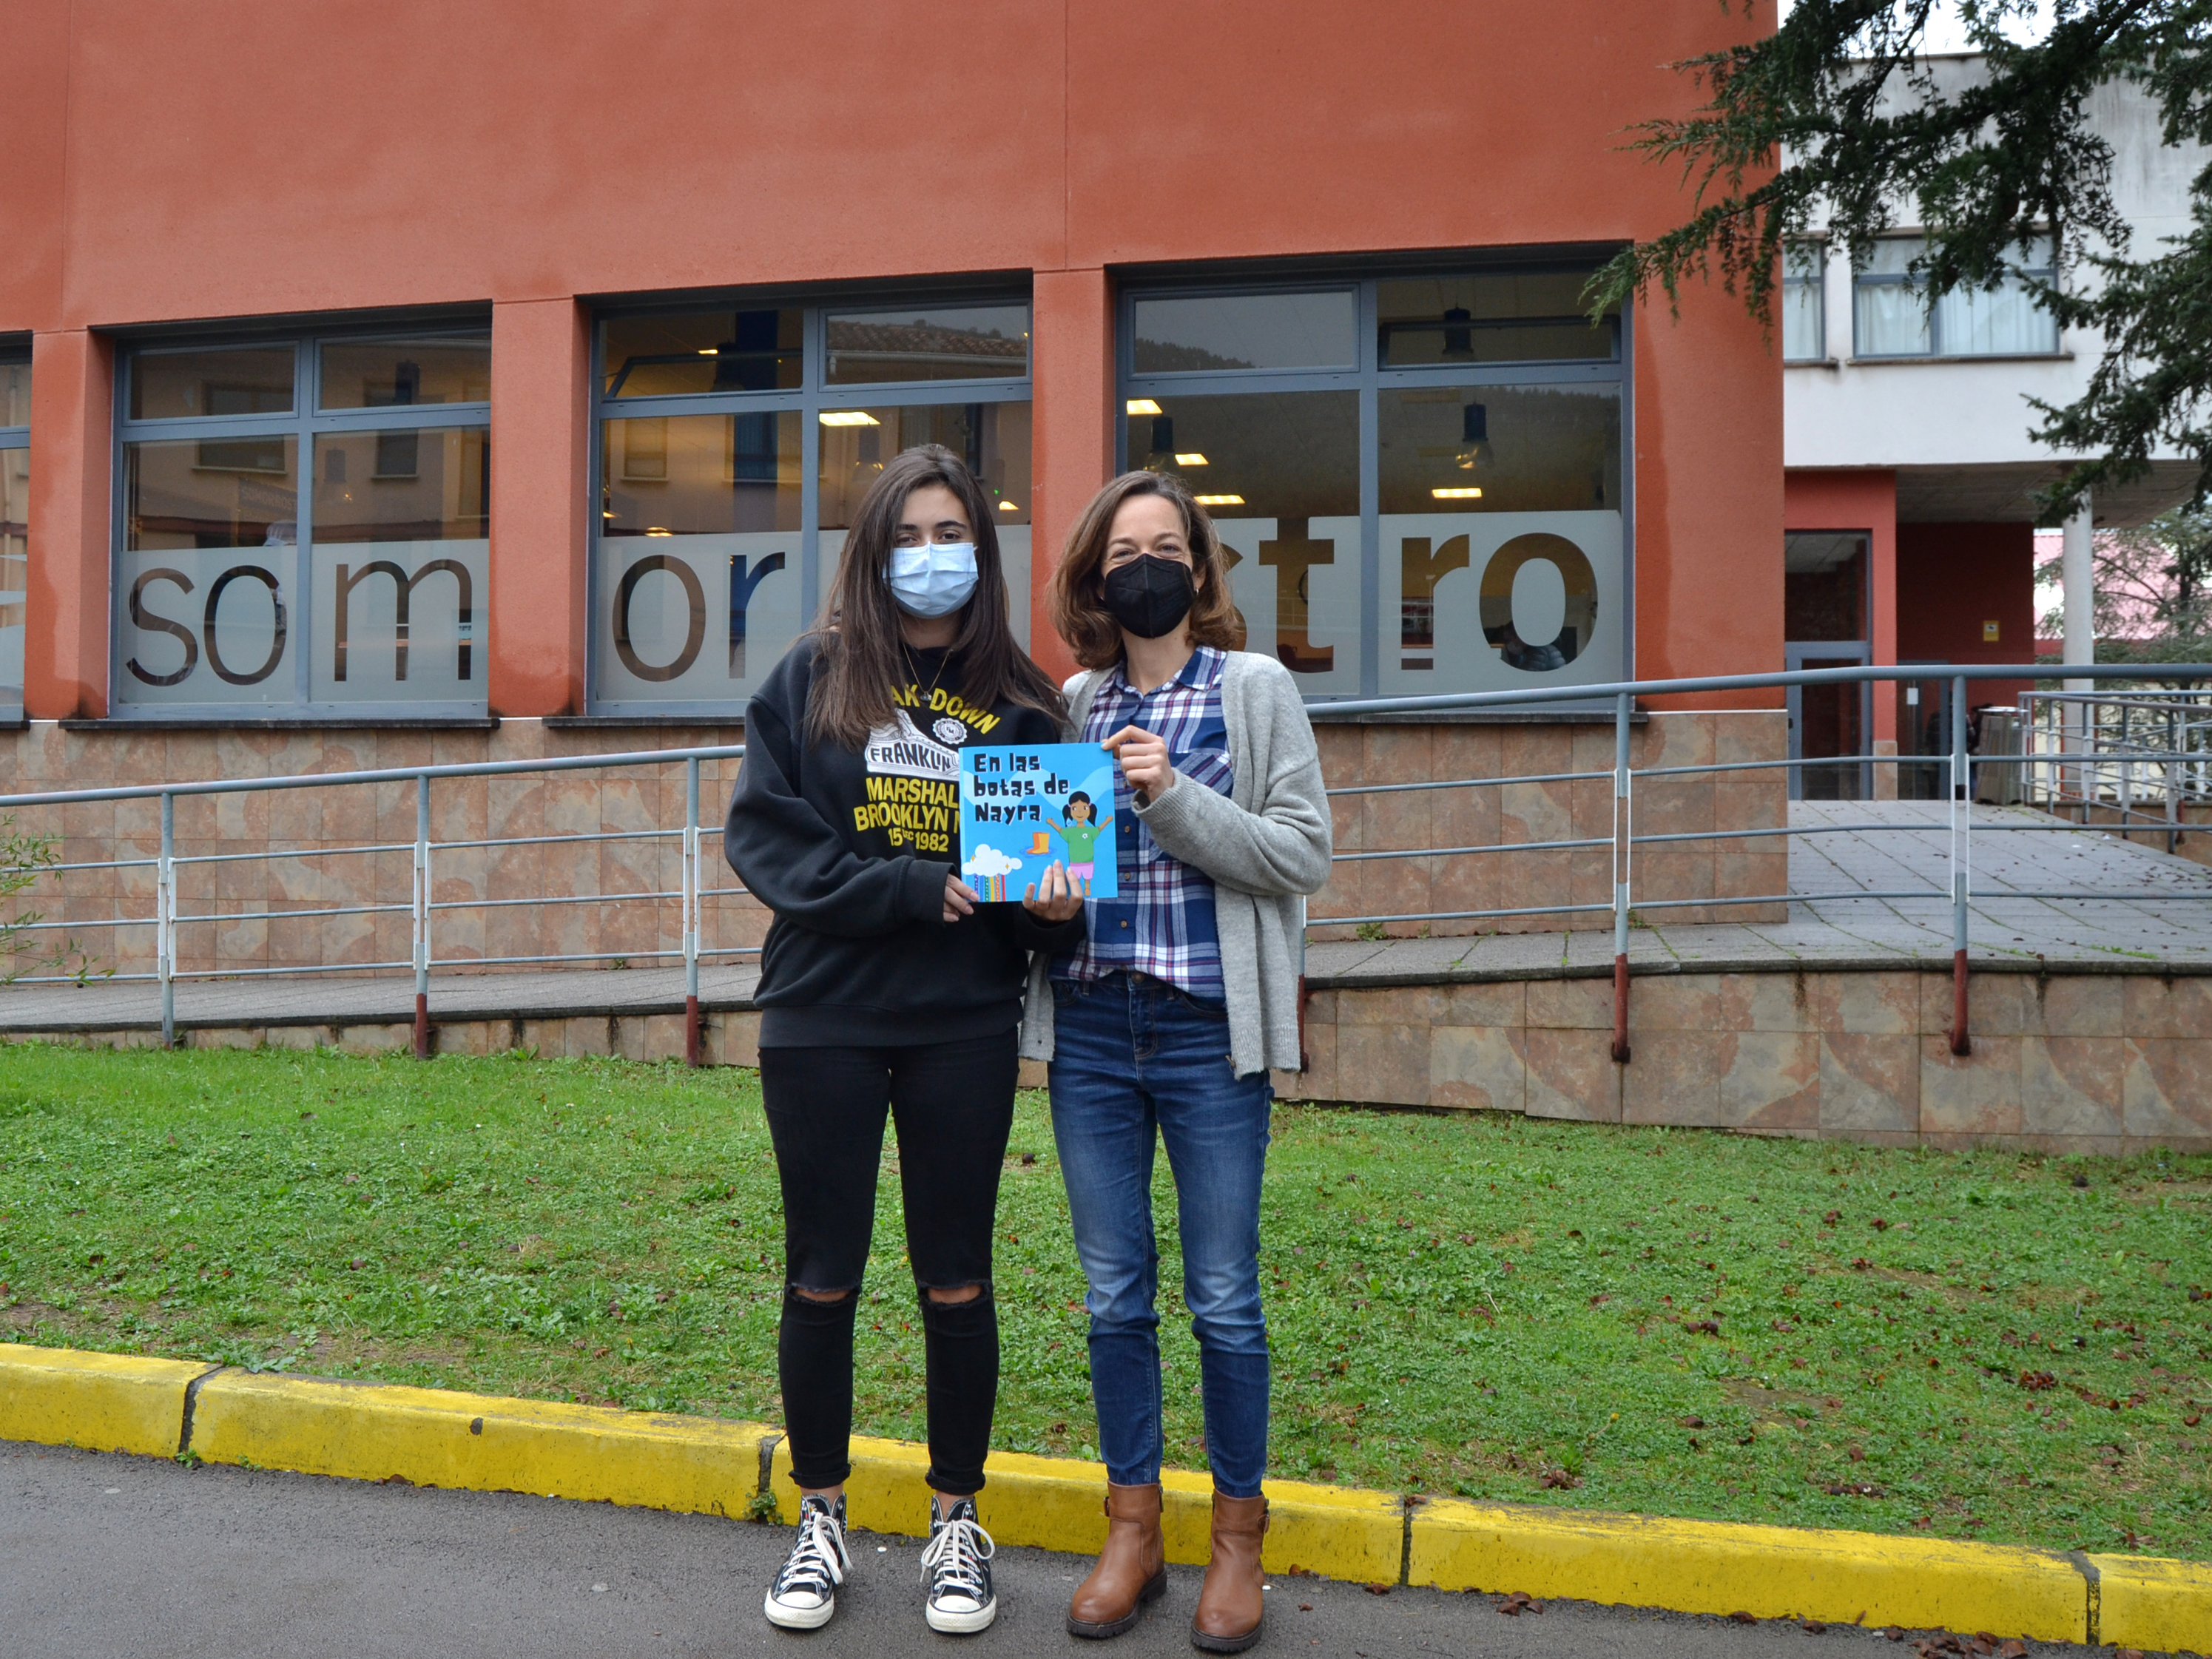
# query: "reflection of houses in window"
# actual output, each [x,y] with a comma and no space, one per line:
[864,352]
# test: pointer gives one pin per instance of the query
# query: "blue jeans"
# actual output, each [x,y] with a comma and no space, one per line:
[1132,1054]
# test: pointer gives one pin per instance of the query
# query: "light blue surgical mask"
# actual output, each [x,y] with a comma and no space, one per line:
[934,580]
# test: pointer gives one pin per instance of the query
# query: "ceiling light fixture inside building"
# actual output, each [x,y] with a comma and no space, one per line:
[1142,406]
[1192,458]
[1469,494]
[1008,506]
[848,417]
[1218,500]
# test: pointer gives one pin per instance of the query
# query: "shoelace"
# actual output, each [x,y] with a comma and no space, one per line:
[812,1565]
[954,1560]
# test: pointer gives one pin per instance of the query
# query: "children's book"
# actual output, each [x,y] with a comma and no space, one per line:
[1023,807]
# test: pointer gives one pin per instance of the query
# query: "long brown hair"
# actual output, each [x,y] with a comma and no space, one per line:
[863,658]
[1078,599]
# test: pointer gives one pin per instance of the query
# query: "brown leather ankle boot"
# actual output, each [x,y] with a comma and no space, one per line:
[1228,1608]
[1131,1569]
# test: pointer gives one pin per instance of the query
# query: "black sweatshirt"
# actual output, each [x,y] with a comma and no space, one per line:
[850,850]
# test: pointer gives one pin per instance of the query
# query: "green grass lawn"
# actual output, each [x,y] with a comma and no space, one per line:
[1988,1345]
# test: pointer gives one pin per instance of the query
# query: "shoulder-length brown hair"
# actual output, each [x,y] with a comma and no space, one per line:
[863,658]
[1078,600]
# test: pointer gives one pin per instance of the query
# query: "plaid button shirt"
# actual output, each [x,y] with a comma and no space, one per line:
[1162,922]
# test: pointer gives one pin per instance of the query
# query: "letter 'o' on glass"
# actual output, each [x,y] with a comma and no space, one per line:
[1237,332]
[1539,599]
[232,381]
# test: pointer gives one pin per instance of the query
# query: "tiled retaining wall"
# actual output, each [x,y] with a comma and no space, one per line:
[243,893]
[1404,753]
[2087,1062]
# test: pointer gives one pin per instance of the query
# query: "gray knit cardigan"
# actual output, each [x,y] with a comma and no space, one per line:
[1265,845]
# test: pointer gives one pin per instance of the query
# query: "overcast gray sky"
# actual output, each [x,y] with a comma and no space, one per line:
[1944,34]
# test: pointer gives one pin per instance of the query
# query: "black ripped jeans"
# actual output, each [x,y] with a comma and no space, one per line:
[954,1106]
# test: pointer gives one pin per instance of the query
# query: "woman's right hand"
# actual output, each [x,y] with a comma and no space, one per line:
[960,899]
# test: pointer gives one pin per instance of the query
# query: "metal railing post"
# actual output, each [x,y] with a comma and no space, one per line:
[1962,821]
[691,927]
[1622,848]
[422,917]
[165,920]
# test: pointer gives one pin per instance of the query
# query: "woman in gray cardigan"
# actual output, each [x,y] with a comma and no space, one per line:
[1166,1020]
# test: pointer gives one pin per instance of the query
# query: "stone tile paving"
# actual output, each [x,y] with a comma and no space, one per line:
[2150,920]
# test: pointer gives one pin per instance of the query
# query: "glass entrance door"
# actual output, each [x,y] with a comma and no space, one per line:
[1826,626]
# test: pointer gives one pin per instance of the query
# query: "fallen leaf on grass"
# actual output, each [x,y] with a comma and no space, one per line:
[2038,1380]
[1558,1479]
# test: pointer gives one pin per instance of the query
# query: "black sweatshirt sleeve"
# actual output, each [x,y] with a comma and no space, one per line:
[794,860]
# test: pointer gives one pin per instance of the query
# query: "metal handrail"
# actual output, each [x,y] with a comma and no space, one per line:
[692,890]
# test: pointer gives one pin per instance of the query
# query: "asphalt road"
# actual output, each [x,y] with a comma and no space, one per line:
[125,1556]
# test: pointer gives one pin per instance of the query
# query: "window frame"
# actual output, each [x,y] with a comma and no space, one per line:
[1370,379]
[14,351]
[1816,279]
[812,396]
[302,425]
[1935,352]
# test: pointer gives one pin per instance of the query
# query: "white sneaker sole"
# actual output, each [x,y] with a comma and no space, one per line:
[949,1623]
[800,1618]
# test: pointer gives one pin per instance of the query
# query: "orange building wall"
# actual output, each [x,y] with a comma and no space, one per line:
[1952,578]
[246,159]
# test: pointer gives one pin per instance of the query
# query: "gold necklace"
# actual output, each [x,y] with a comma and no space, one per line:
[943,663]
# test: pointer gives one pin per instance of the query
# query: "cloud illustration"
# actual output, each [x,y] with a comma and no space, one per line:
[988,860]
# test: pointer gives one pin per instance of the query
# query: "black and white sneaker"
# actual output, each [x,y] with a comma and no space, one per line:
[955,1568]
[805,1593]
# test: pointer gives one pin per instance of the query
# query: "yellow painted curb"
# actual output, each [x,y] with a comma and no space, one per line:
[101,1401]
[2146,1602]
[1770,1572]
[1058,1504]
[370,1431]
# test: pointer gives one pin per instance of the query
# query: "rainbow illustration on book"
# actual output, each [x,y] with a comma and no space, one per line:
[1026,807]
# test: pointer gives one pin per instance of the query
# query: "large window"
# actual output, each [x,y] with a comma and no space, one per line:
[1891,316]
[304,527]
[1418,479]
[1805,302]
[14,518]
[735,443]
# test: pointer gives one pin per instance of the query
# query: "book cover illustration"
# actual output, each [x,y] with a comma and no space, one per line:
[1023,806]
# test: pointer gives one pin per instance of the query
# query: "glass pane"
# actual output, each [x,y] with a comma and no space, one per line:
[1824,585]
[945,343]
[1802,324]
[1971,323]
[15,391]
[994,438]
[15,569]
[1279,473]
[1247,331]
[207,570]
[401,566]
[1892,256]
[245,380]
[697,582]
[1501,535]
[1891,320]
[1829,726]
[701,351]
[381,374]
[1489,317]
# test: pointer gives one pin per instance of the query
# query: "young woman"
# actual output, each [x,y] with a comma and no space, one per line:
[883,987]
[1166,1018]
